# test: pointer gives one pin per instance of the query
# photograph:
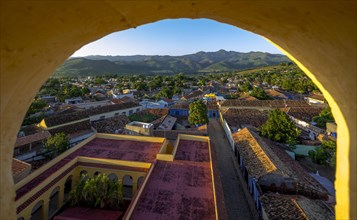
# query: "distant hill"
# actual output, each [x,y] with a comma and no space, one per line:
[201,62]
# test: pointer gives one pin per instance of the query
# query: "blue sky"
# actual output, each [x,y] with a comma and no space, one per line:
[177,37]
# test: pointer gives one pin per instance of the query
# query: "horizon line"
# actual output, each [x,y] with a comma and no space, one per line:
[178,55]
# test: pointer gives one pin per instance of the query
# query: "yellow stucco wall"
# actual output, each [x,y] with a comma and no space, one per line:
[37,36]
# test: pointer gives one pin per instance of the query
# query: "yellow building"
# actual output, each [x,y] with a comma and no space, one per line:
[139,162]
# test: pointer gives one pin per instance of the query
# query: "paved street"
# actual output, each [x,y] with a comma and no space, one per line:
[235,200]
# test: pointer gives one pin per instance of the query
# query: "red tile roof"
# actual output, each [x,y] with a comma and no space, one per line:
[39,136]
[19,166]
[289,207]
[265,103]
[303,113]
[75,116]
[241,117]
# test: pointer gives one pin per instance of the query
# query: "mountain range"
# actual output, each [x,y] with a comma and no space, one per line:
[201,62]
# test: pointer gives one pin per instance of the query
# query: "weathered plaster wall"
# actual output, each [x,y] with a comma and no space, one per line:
[37,36]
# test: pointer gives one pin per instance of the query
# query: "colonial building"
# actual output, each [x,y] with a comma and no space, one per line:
[159,179]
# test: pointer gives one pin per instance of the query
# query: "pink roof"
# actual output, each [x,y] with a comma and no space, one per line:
[100,148]
[81,213]
[181,189]
[192,151]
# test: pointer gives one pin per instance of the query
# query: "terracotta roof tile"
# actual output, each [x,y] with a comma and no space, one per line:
[19,166]
[278,206]
[258,158]
[39,136]
[265,103]
[240,117]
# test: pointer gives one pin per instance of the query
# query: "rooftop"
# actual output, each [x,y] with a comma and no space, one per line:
[241,117]
[278,206]
[303,113]
[78,115]
[258,158]
[195,151]
[181,189]
[39,136]
[177,190]
[265,103]
[19,166]
[275,94]
[100,148]
[168,123]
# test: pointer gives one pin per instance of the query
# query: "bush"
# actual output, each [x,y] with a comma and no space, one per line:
[97,192]
[320,156]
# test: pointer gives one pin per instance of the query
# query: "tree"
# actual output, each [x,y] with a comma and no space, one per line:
[97,192]
[259,93]
[57,144]
[324,116]
[246,87]
[36,106]
[279,127]
[325,154]
[198,113]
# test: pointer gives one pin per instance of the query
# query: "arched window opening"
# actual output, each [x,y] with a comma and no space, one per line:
[67,187]
[53,204]
[37,211]
[113,177]
[127,187]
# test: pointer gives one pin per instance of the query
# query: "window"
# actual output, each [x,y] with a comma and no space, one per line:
[102,117]
[130,112]
[116,114]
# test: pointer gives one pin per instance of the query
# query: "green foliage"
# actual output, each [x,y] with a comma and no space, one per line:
[57,144]
[329,145]
[325,154]
[32,120]
[259,93]
[99,81]
[165,92]
[143,117]
[232,96]
[279,127]
[324,116]
[246,87]
[198,113]
[97,192]
[319,156]
[36,106]
[220,61]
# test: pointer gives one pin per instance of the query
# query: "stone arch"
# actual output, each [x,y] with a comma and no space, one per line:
[54,202]
[83,172]
[319,37]
[37,212]
[113,177]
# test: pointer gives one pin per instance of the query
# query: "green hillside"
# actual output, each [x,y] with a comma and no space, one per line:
[207,62]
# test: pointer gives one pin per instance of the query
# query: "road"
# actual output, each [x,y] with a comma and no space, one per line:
[235,199]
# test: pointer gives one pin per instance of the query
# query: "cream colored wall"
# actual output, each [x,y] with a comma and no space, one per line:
[37,36]
[112,114]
